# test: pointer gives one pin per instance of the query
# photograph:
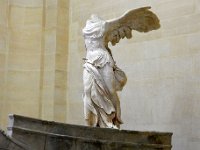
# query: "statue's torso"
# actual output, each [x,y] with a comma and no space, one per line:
[97,54]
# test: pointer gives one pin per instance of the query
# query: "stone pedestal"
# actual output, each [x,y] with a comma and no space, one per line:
[8,143]
[44,135]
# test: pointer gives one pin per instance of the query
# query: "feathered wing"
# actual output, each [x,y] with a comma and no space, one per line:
[141,19]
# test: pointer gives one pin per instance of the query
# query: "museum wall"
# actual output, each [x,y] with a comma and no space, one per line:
[3,52]
[163,68]
[33,59]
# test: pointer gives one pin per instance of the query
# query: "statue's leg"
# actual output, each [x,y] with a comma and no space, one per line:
[109,78]
[116,103]
[91,119]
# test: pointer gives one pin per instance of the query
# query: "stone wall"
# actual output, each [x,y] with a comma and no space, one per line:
[3,53]
[60,101]
[163,88]
[33,56]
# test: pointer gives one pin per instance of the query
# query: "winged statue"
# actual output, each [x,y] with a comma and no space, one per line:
[102,78]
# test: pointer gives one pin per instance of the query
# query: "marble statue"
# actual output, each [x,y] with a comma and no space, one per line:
[102,78]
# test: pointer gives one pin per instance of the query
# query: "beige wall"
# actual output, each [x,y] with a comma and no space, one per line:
[3,53]
[60,101]
[163,68]
[33,51]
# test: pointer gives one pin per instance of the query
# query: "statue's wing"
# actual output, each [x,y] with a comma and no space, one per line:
[142,20]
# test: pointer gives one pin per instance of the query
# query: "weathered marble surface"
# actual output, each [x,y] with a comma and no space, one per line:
[8,143]
[102,78]
[48,141]
[45,135]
